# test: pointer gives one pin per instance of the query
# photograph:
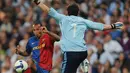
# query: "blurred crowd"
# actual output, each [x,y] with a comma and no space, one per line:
[108,51]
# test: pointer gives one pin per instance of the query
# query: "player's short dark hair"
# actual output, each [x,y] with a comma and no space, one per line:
[73,9]
[37,23]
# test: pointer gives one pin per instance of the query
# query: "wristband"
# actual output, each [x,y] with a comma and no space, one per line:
[113,26]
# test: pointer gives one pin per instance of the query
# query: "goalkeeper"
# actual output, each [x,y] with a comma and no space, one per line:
[73,28]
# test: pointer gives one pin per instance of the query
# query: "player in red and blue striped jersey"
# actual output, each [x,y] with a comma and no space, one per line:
[41,47]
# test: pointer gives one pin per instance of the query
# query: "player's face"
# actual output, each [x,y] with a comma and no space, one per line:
[37,30]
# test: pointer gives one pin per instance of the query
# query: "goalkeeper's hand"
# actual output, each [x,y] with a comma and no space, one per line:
[37,2]
[117,25]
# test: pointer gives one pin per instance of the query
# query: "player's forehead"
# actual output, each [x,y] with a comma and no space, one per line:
[35,26]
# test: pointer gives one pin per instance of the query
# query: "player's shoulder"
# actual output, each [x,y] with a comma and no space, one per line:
[32,38]
[45,35]
[76,18]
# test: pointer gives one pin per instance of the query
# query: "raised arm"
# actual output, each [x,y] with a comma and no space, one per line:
[54,36]
[100,26]
[117,25]
[52,12]
[42,6]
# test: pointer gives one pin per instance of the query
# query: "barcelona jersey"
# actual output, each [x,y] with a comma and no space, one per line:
[42,51]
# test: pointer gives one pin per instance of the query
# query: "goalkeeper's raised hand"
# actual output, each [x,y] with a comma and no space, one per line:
[117,25]
[40,3]
[37,2]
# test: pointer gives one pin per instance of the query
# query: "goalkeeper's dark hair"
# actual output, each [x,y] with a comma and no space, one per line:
[73,9]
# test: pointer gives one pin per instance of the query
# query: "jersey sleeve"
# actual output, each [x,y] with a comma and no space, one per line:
[57,16]
[28,48]
[94,25]
[49,40]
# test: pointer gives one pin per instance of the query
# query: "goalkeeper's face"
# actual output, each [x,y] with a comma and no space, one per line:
[37,30]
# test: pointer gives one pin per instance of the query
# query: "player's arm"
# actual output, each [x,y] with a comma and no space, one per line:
[52,12]
[22,53]
[54,36]
[44,7]
[26,52]
[100,26]
[117,25]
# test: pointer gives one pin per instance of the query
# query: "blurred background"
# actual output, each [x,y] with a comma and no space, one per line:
[108,51]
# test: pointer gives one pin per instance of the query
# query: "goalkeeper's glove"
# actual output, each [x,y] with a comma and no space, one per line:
[36,2]
[117,25]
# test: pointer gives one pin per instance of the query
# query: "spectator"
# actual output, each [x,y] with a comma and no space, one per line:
[124,62]
[11,53]
[53,26]
[116,34]
[117,65]
[2,55]
[6,26]
[106,67]
[57,58]
[114,70]
[24,41]
[125,70]
[4,40]
[112,46]
[56,5]
[105,16]
[6,66]
[125,41]
[89,40]
[2,16]
[117,4]
[101,55]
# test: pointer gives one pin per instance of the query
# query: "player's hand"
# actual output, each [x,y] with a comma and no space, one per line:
[117,25]
[44,29]
[36,2]
[17,50]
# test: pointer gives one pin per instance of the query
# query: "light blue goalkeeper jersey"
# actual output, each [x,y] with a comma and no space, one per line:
[73,30]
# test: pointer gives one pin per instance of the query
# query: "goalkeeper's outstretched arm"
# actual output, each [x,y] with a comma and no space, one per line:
[52,12]
[117,25]
[101,26]
[44,7]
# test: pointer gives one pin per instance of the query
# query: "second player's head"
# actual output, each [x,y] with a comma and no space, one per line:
[73,9]
[37,29]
